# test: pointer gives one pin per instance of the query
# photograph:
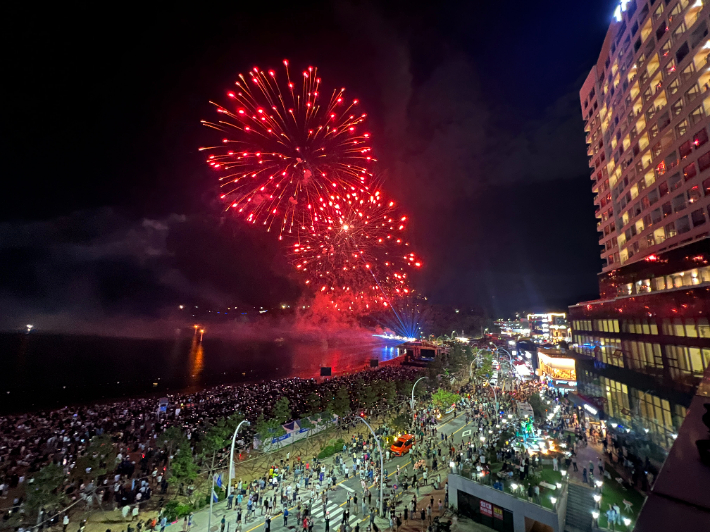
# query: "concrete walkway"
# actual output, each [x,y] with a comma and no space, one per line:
[586,454]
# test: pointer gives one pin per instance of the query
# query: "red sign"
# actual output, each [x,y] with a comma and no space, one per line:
[498,513]
[486,508]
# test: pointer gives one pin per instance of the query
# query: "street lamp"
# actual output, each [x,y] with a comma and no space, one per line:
[415,384]
[231,454]
[231,464]
[495,395]
[382,464]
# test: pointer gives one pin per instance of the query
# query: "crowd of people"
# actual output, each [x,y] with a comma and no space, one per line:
[28,442]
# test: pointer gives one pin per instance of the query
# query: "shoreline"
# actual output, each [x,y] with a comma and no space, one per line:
[48,372]
[190,390]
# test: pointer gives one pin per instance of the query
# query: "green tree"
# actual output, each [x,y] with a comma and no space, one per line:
[267,429]
[443,399]
[400,423]
[306,423]
[212,441]
[341,403]
[436,368]
[98,456]
[44,489]
[232,422]
[483,365]
[282,413]
[183,469]
[314,402]
[389,392]
[172,439]
[369,396]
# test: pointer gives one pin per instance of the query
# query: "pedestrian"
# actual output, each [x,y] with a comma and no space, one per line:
[574,463]
[267,524]
[65,523]
[584,475]
[222,523]
[601,467]
[285,516]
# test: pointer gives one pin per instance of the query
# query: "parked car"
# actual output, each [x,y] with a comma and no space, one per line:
[402,445]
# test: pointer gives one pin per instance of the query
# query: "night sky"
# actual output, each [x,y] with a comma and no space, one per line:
[108,208]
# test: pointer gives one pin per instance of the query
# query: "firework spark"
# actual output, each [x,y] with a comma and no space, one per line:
[362,258]
[290,159]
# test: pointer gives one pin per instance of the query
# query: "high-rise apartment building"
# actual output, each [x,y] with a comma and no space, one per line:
[642,348]
[646,109]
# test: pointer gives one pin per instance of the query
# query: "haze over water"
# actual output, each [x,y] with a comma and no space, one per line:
[52,370]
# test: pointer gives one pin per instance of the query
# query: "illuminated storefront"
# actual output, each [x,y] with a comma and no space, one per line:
[556,366]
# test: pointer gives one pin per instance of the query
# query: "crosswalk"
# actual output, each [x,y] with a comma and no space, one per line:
[335,514]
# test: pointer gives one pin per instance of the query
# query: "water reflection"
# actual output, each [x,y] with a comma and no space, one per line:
[197,359]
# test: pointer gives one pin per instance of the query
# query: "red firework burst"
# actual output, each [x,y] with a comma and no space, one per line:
[362,258]
[290,159]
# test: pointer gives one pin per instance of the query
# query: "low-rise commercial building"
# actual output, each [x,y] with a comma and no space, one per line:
[643,347]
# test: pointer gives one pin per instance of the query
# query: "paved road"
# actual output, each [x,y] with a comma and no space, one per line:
[337,499]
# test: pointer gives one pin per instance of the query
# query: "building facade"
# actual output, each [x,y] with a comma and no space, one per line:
[643,346]
[646,109]
[548,326]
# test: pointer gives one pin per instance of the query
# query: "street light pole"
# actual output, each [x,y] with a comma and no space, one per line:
[382,464]
[415,384]
[231,455]
[209,519]
[495,395]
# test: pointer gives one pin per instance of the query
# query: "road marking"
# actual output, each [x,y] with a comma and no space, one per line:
[345,487]
[465,433]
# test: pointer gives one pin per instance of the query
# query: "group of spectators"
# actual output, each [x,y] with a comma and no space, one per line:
[31,441]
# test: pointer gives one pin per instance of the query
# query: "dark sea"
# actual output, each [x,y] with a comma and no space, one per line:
[39,371]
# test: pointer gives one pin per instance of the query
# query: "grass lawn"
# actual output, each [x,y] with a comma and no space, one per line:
[613,493]
[547,474]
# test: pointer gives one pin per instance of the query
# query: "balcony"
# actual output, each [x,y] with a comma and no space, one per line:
[588,138]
